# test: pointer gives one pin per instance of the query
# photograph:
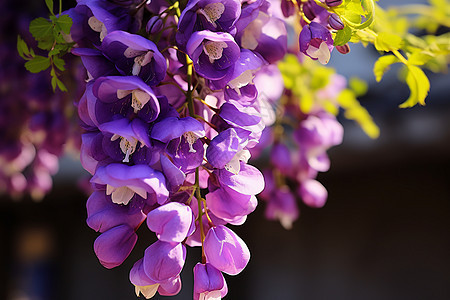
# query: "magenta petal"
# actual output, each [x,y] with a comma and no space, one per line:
[138,276]
[225,250]
[207,279]
[171,222]
[142,176]
[228,204]
[170,287]
[163,260]
[113,246]
[104,215]
[249,181]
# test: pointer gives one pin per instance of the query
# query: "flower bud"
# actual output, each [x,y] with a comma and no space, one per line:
[154,25]
[344,49]
[308,11]
[333,2]
[335,22]
[225,250]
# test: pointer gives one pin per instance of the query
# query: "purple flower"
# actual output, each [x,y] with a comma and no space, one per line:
[225,250]
[264,34]
[244,117]
[114,245]
[213,53]
[208,282]
[172,222]
[103,214]
[123,182]
[313,193]
[229,205]
[163,261]
[183,138]
[316,42]
[280,157]
[94,19]
[124,95]
[95,62]
[135,55]
[129,133]
[282,206]
[143,284]
[248,181]
[240,85]
[203,15]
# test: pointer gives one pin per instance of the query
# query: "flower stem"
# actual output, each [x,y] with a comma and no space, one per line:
[200,213]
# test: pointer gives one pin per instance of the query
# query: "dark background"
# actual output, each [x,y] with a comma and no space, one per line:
[384,233]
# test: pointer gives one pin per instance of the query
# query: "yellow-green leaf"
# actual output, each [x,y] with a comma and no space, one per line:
[419,58]
[388,42]
[382,65]
[419,86]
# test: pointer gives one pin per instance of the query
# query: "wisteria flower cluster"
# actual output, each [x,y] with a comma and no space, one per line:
[170,117]
[179,95]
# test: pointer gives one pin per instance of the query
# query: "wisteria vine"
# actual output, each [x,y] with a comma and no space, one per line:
[179,95]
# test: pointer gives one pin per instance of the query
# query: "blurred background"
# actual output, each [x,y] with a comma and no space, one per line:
[383,234]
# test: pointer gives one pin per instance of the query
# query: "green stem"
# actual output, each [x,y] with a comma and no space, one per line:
[189,98]
[200,213]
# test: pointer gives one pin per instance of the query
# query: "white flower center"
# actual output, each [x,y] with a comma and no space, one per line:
[123,194]
[147,291]
[191,138]
[212,12]
[214,50]
[213,295]
[234,165]
[98,26]
[322,53]
[141,58]
[127,147]
[242,80]
[138,98]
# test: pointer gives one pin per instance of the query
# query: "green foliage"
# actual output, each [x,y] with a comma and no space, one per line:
[49,34]
[354,111]
[419,86]
[343,36]
[309,81]
[388,42]
[382,65]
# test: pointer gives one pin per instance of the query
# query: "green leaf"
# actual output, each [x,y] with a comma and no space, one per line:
[54,82]
[61,85]
[22,48]
[388,42]
[59,63]
[419,86]
[382,65]
[50,5]
[343,36]
[65,23]
[41,28]
[45,44]
[37,64]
